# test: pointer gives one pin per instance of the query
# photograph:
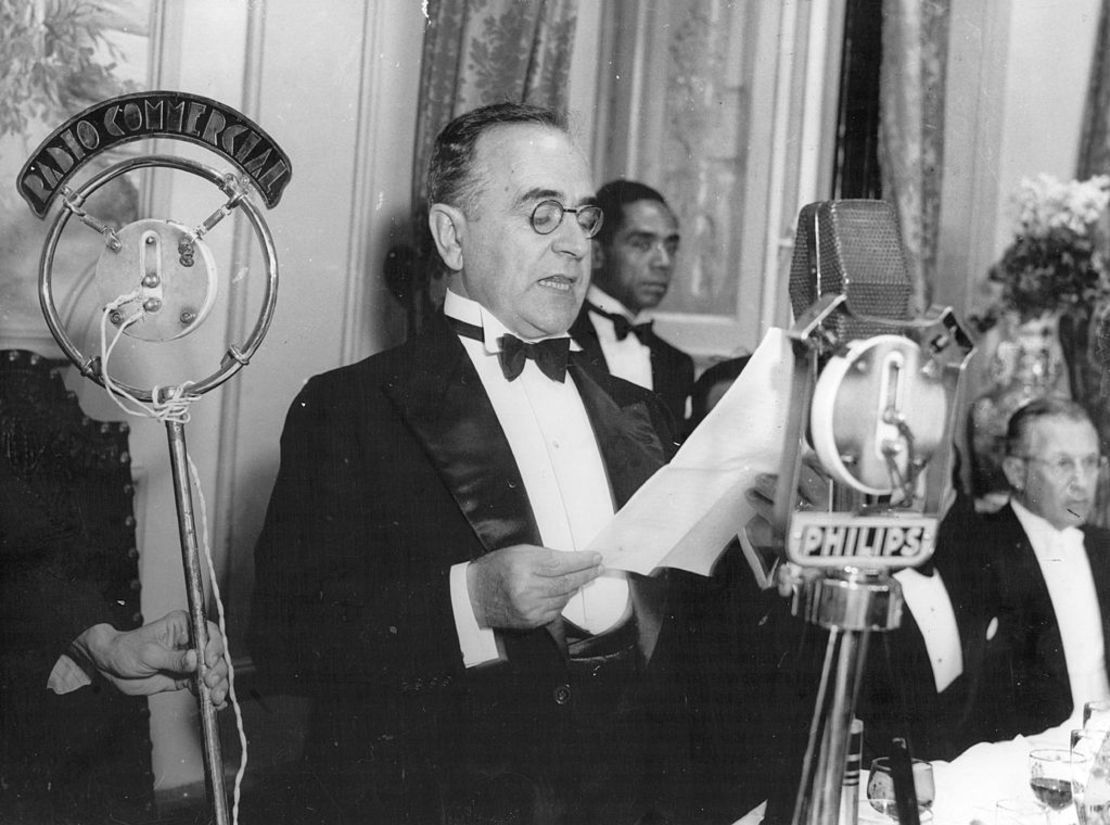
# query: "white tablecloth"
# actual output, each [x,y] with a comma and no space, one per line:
[968,787]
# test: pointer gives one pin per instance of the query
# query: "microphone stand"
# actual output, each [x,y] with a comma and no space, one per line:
[236,357]
[194,586]
[850,600]
[850,603]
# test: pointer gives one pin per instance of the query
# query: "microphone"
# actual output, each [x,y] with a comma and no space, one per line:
[877,414]
[851,248]
[159,278]
[874,391]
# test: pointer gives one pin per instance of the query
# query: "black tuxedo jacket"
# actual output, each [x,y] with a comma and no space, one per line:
[672,370]
[392,470]
[1029,684]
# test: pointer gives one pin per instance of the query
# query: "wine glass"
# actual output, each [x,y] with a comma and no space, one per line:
[888,807]
[1087,742]
[880,786]
[1096,714]
[1090,779]
[1050,777]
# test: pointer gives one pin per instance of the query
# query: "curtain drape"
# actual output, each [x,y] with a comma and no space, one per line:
[477,52]
[911,129]
[1090,383]
[485,51]
[1094,142]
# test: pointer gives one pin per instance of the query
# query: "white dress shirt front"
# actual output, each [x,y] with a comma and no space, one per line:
[555,449]
[1067,574]
[928,600]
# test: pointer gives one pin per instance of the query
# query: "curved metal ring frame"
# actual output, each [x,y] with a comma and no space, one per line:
[236,357]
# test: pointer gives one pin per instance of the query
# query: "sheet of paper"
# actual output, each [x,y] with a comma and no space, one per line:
[687,512]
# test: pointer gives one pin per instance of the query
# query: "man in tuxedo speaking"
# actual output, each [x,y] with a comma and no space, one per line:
[422,571]
[633,263]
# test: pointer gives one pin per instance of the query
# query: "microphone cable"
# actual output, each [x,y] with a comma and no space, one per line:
[174,407]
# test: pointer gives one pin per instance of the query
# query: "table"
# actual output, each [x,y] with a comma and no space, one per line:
[968,787]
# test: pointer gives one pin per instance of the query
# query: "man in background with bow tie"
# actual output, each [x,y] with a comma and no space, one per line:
[633,262]
[423,572]
[1050,572]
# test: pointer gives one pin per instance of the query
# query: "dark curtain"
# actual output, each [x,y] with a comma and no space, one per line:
[1082,329]
[911,129]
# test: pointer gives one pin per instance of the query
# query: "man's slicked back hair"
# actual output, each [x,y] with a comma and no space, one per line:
[1022,421]
[612,198]
[452,177]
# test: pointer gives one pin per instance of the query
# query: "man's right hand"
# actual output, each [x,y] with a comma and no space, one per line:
[524,587]
[156,657]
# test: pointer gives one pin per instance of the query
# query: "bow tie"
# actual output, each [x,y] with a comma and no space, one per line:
[622,326]
[550,354]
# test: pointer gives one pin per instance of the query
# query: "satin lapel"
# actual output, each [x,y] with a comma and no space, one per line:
[584,332]
[1031,596]
[1022,567]
[443,402]
[662,367]
[1097,544]
[629,444]
[631,452]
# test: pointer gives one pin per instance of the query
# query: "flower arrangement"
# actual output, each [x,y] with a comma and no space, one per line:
[57,59]
[1055,262]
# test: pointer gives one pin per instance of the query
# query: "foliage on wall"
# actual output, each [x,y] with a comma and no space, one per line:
[55,59]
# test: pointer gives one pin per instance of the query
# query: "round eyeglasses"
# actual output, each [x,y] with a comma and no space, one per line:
[1066,466]
[548,215]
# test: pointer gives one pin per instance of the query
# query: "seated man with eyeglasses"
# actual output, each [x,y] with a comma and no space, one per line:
[1048,573]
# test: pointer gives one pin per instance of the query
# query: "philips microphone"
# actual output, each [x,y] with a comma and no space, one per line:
[852,248]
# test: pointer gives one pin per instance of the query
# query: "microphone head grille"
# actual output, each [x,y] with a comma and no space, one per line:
[851,247]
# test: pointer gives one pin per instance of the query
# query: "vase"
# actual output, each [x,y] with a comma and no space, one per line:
[1091,341]
[1027,363]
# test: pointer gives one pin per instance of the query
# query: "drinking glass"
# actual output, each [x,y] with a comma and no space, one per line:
[1087,742]
[1096,714]
[888,807]
[1090,777]
[1050,777]
[1080,777]
[880,786]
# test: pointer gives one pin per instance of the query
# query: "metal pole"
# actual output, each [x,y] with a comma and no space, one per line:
[850,603]
[852,657]
[194,585]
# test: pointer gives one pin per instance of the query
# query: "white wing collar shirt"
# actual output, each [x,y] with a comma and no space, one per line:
[1067,574]
[627,358]
[927,599]
[555,449]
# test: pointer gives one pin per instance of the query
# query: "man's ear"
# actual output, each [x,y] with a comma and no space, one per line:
[1014,470]
[448,225]
[597,255]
